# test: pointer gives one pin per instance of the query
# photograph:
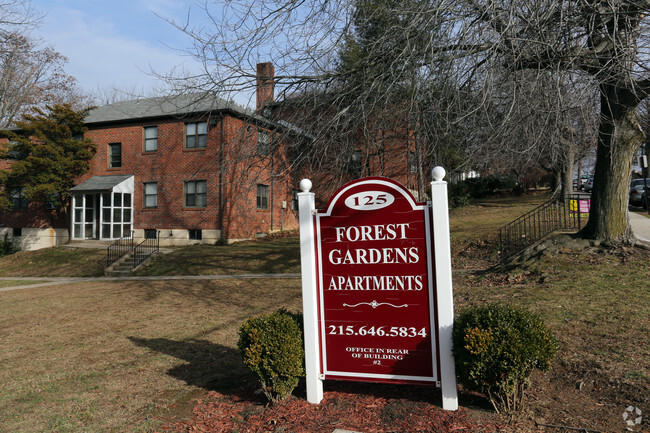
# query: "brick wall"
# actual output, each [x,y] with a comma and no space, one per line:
[229,164]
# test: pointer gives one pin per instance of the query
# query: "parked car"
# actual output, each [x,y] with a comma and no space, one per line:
[581,185]
[589,185]
[637,192]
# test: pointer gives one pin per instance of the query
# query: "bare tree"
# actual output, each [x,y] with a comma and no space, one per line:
[31,75]
[477,48]
[17,15]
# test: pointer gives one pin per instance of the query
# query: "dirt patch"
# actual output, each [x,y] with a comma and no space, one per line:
[556,402]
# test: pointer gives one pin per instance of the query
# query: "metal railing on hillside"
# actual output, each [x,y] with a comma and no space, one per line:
[145,249]
[564,213]
[119,249]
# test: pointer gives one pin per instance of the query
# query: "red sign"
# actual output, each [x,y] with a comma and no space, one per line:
[376,295]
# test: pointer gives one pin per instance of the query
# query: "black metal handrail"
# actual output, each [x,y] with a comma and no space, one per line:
[564,213]
[145,249]
[119,249]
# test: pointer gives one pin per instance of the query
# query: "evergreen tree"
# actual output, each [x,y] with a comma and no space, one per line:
[50,152]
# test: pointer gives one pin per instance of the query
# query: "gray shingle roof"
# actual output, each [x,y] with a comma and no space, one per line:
[101,183]
[178,105]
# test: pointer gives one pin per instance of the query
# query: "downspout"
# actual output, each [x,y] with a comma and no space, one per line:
[272,183]
[221,168]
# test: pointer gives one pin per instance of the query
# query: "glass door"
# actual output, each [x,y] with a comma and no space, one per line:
[85,216]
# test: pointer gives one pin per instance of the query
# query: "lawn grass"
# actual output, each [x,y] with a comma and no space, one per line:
[263,256]
[54,262]
[109,356]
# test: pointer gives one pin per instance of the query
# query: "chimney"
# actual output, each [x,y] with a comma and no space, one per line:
[265,85]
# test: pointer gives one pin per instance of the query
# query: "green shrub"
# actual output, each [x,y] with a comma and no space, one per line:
[496,348]
[7,247]
[480,187]
[458,195]
[272,347]
[222,242]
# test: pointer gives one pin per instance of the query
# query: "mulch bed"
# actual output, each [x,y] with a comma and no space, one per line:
[366,408]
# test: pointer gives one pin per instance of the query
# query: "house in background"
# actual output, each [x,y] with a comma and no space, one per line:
[190,168]
[339,145]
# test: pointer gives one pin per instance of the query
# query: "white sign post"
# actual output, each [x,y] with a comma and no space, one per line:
[444,287]
[306,208]
[368,336]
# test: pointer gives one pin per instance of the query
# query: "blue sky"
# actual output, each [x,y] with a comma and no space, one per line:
[115,44]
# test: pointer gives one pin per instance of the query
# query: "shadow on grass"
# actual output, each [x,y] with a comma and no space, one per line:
[210,366]
[215,367]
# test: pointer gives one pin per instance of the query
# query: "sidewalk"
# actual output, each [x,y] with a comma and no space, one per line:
[640,225]
[54,281]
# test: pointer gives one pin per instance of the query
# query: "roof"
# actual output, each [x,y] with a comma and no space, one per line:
[179,106]
[101,183]
[163,106]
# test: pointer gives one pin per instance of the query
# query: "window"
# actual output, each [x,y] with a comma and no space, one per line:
[413,163]
[196,135]
[17,232]
[52,202]
[263,143]
[262,196]
[150,138]
[195,234]
[115,155]
[151,194]
[116,213]
[195,193]
[294,199]
[150,233]
[14,154]
[354,163]
[18,199]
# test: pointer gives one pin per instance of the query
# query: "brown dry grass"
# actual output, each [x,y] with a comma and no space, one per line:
[14,283]
[114,356]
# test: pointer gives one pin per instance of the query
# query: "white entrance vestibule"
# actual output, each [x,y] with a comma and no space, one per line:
[102,207]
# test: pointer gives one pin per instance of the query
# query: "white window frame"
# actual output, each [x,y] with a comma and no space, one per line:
[150,138]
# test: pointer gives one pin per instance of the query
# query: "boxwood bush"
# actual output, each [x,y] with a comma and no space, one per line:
[496,348]
[272,347]
[7,247]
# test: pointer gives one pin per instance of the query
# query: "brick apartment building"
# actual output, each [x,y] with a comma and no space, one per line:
[192,168]
[196,169]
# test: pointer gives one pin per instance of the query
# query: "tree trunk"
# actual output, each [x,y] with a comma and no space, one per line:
[619,135]
[567,170]
[557,179]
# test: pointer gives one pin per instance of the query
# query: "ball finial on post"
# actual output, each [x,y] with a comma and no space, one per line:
[438,173]
[305,185]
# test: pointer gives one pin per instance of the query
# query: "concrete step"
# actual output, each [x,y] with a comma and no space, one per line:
[121,268]
[118,273]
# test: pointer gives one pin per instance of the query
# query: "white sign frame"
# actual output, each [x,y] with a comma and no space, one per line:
[439,232]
